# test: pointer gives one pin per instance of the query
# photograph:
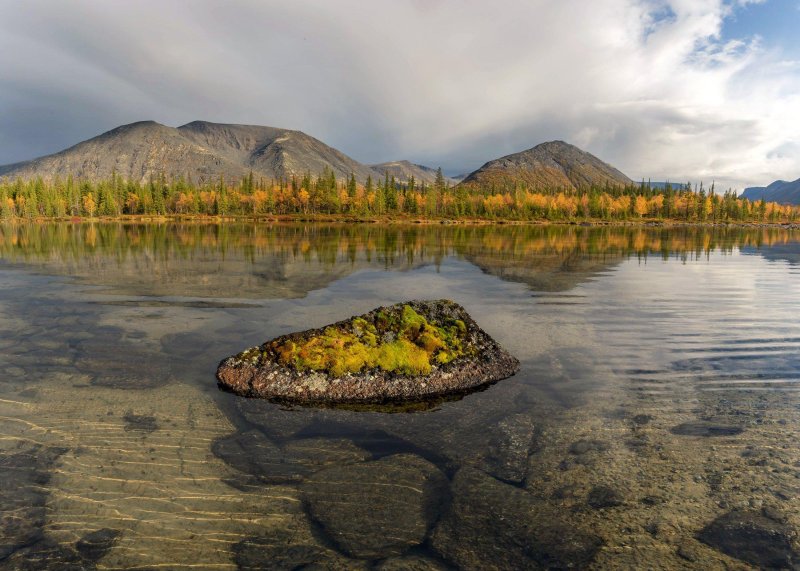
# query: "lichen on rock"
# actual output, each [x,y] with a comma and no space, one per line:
[407,351]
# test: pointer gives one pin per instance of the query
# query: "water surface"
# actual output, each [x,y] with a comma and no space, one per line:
[658,393]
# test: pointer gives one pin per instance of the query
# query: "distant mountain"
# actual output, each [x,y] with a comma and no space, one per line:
[779,191]
[663,185]
[200,150]
[555,164]
[404,170]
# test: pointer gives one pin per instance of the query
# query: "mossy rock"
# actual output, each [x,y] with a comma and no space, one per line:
[409,351]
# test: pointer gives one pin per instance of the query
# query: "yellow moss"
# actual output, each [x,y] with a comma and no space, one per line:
[412,323]
[413,345]
[445,357]
[370,339]
[360,324]
[430,341]
[402,356]
[286,350]
[366,331]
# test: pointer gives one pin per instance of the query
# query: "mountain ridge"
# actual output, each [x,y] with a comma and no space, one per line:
[781,191]
[553,164]
[404,170]
[200,150]
[205,152]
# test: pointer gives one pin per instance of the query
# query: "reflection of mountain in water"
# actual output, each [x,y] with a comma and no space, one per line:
[545,272]
[787,252]
[269,261]
[556,258]
[202,260]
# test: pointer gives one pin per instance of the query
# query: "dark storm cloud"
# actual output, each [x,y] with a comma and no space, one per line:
[451,83]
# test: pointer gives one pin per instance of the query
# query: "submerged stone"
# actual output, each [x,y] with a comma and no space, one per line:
[410,563]
[494,525]
[47,555]
[288,545]
[752,537]
[94,545]
[408,351]
[24,474]
[581,447]
[254,454]
[604,497]
[279,551]
[510,447]
[377,509]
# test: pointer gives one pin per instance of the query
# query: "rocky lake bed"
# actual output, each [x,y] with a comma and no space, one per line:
[629,438]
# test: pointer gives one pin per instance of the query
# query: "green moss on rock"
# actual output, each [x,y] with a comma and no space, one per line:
[396,340]
[412,351]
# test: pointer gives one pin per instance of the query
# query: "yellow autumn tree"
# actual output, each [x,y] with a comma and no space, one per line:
[640,206]
[89,204]
[303,198]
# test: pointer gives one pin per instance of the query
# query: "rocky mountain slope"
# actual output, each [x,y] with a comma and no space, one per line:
[402,171]
[555,164]
[779,191]
[206,151]
[200,150]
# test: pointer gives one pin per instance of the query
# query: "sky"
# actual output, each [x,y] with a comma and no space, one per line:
[679,90]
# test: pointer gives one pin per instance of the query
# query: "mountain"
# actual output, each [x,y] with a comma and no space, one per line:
[273,152]
[206,151]
[404,170]
[200,150]
[555,164]
[663,185]
[779,191]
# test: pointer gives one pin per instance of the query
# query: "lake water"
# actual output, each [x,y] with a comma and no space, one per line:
[653,424]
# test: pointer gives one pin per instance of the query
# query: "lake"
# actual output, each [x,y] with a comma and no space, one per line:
[653,424]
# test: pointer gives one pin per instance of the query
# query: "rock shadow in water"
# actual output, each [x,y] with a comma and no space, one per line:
[23,475]
[140,422]
[706,428]
[24,545]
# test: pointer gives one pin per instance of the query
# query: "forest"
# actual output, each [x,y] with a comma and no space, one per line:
[326,195]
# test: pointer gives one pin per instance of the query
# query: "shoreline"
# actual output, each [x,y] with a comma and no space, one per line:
[395,220]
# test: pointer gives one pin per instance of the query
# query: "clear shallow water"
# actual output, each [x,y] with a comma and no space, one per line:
[658,394]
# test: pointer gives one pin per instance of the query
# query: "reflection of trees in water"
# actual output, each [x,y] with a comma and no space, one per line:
[289,260]
[392,244]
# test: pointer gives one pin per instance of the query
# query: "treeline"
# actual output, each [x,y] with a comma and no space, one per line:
[325,195]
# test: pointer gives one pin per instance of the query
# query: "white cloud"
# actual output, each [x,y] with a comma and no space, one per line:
[648,85]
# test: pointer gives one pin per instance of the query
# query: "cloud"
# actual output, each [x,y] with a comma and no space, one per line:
[648,85]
